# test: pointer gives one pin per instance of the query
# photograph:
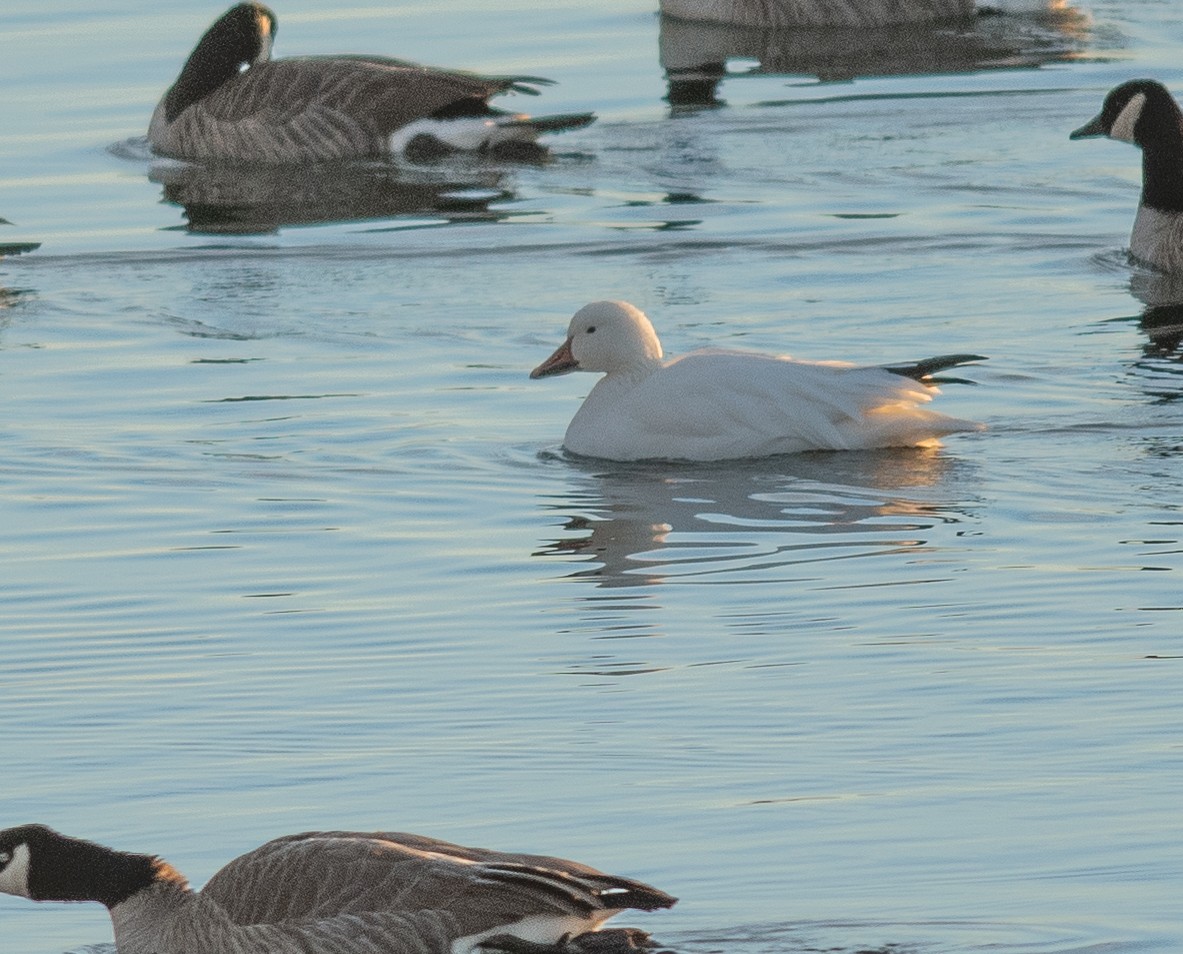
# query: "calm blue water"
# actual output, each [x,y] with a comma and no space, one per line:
[288,540]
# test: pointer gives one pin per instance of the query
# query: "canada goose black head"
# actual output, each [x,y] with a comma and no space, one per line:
[1142,112]
[38,863]
[240,38]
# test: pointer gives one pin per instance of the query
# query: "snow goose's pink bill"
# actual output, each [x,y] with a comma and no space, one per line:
[721,404]
[560,362]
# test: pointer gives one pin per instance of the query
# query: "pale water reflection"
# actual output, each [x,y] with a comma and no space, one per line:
[871,937]
[699,57]
[220,200]
[1162,318]
[753,522]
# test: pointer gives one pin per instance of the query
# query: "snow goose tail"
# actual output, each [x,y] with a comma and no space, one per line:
[719,404]
[233,102]
[338,891]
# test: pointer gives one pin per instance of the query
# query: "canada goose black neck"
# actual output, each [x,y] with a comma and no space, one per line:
[1159,131]
[61,868]
[241,37]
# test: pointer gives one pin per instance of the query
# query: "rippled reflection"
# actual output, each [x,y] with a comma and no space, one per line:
[245,200]
[695,55]
[878,937]
[1162,318]
[886,937]
[1159,371]
[634,525]
[10,298]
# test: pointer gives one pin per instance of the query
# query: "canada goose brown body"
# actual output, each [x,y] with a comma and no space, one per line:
[329,893]
[232,102]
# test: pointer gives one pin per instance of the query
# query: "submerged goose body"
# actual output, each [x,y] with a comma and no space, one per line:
[1144,113]
[232,102]
[776,14]
[719,404]
[332,892]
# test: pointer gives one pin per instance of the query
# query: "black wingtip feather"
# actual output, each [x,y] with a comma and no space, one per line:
[650,899]
[927,367]
[524,84]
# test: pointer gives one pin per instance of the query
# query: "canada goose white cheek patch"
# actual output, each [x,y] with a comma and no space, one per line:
[14,876]
[1127,119]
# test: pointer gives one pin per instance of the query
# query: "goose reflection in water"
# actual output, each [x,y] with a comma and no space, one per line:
[638,524]
[1162,318]
[694,55]
[11,296]
[252,200]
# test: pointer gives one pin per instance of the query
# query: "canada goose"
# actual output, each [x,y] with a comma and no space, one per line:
[338,891]
[819,13]
[233,102]
[718,405]
[1142,112]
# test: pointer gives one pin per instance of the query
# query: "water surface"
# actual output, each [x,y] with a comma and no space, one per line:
[289,540]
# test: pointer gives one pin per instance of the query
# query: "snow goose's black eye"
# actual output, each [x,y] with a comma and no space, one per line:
[591,329]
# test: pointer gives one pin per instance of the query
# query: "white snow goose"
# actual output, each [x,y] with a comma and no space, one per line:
[720,404]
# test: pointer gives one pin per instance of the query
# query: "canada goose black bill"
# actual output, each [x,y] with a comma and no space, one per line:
[1144,113]
[233,102]
[338,891]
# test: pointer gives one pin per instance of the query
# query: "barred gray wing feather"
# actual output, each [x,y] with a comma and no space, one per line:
[327,874]
[319,108]
[424,932]
[427,932]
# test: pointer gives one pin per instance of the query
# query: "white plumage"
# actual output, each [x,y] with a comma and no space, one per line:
[719,404]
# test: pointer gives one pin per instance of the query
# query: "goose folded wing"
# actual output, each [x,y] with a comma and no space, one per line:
[728,401]
[325,875]
[384,92]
